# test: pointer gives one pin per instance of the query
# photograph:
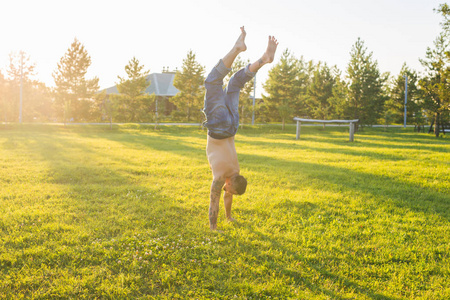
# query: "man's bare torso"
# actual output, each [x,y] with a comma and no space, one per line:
[222,157]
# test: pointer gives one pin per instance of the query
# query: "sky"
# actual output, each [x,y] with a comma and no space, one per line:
[161,33]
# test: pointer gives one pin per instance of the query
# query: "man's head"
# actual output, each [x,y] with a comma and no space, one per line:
[235,185]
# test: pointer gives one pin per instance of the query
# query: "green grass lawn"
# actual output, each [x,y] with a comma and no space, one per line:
[88,212]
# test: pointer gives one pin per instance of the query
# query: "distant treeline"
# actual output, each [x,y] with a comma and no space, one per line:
[295,87]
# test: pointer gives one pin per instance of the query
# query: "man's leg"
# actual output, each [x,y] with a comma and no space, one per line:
[214,86]
[238,80]
[238,47]
[216,190]
[214,80]
[246,74]
[214,95]
[228,201]
[215,77]
[267,57]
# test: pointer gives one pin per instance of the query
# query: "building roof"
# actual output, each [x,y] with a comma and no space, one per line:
[161,84]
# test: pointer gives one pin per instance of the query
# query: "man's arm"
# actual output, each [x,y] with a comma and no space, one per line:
[216,189]
[228,200]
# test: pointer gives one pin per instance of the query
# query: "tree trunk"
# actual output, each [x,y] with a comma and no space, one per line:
[283,124]
[436,123]
[431,127]
[65,112]
[357,123]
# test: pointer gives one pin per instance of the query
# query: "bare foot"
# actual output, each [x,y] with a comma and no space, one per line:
[230,219]
[269,55]
[240,43]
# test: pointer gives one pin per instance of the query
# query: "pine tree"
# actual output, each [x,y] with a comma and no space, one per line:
[436,84]
[339,98]
[444,10]
[20,65]
[319,92]
[283,87]
[189,82]
[20,71]
[3,97]
[133,103]
[74,91]
[366,95]
[37,102]
[395,105]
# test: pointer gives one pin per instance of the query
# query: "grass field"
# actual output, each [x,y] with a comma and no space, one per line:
[88,212]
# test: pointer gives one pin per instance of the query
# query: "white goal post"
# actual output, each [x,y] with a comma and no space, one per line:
[350,122]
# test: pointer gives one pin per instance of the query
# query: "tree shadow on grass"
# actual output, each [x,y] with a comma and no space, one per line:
[91,206]
[381,189]
[419,146]
[97,190]
[297,277]
[343,147]
[340,135]
[168,141]
[403,137]
[377,185]
[419,199]
[335,148]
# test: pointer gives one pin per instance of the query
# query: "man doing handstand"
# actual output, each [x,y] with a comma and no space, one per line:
[222,121]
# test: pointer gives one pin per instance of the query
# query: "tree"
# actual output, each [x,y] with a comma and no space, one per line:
[74,92]
[395,105]
[106,106]
[444,10]
[37,102]
[189,81]
[133,103]
[366,95]
[283,87]
[245,95]
[20,71]
[339,99]
[36,96]
[320,91]
[436,83]
[3,96]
